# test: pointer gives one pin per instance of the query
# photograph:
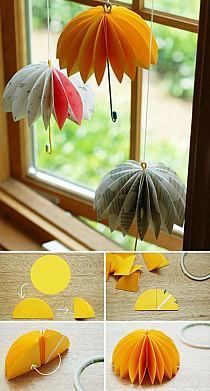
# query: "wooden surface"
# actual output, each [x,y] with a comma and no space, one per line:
[87,273]
[194,372]
[86,341]
[192,296]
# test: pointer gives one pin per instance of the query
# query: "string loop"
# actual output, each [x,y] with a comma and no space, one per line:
[108,7]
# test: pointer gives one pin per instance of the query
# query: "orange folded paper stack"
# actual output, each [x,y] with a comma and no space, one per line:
[34,349]
[143,353]
[106,33]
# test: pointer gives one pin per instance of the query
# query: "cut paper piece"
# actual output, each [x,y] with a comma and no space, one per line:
[50,274]
[152,195]
[34,348]
[125,266]
[156,300]
[129,283]
[154,261]
[112,262]
[32,308]
[82,309]
[106,34]
[146,352]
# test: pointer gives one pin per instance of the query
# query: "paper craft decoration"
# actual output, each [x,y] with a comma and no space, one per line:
[32,308]
[156,300]
[82,309]
[152,195]
[50,274]
[154,261]
[41,90]
[34,348]
[129,283]
[106,34]
[144,352]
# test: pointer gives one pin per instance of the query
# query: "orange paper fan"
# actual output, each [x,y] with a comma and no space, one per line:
[146,352]
[104,34]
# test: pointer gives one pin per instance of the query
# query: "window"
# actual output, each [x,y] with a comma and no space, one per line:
[82,155]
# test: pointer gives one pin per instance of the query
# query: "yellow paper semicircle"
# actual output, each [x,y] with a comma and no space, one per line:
[32,308]
[156,300]
[82,309]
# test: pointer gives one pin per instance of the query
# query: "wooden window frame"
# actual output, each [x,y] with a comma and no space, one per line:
[16,141]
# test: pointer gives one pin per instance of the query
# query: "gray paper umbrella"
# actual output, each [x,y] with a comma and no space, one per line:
[151,195]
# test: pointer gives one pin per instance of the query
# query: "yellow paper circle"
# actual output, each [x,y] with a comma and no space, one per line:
[50,274]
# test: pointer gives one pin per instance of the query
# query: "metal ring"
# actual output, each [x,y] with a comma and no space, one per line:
[187,341]
[190,275]
[77,384]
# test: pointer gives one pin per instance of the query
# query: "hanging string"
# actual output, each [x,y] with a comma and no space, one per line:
[148,84]
[144,164]
[108,10]
[48,29]
[48,146]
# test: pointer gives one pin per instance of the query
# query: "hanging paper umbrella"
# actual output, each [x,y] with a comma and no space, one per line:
[106,34]
[145,352]
[42,90]
[152,195]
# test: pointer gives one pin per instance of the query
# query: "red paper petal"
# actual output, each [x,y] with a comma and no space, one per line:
[60,100]
[73,97]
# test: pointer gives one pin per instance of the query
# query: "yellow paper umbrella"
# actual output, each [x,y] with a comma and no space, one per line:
[145,352]
[106,34]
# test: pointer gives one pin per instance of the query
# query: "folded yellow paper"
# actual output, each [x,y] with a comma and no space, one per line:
[34,348]
[154,261]
[33,308]
[112,262]
[82,309]
[156,300]
[129,283]
[125,266]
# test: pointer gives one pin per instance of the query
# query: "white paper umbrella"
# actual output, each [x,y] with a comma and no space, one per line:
[152,195]
[41,90]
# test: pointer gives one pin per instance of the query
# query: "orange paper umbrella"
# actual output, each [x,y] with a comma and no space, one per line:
[146,352]
[106,34]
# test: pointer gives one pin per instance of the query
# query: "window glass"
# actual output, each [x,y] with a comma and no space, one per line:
[170,99]
[189,9]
